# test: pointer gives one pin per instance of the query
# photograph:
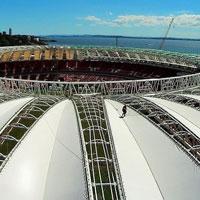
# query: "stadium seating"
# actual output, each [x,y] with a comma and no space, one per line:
[91,64]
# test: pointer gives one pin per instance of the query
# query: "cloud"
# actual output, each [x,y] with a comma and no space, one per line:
[99,21]
[188,20]
[144,20]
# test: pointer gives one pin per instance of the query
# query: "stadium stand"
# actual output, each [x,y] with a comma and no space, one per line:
[52,63]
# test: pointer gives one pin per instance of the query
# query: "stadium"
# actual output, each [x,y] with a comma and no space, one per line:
[62,136]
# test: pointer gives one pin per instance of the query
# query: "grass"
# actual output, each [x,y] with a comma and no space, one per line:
[82,115]
[95,134]
[27,122]
[104,173]
[107,193]
[17,133]
[36,113]
[84,124]
[7,147]
[86,135]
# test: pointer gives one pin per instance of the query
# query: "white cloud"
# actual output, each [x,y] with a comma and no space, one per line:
[188,20]
[131,20]
[96,20]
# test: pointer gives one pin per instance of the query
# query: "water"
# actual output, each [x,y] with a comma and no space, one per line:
[178,45]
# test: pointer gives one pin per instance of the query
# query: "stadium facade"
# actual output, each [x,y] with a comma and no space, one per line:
[61,132]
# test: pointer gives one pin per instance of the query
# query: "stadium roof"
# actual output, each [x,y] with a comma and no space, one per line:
[129,55]
[48,162]
[152,166]
[67,140]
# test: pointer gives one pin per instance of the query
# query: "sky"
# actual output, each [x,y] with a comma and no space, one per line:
[148,18]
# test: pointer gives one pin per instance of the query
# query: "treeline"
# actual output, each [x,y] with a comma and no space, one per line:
[18,40]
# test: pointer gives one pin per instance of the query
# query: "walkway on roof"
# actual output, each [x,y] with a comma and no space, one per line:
[148,159]
[137,178]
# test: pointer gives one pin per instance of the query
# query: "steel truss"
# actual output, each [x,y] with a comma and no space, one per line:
[173,128]
[100,160]
[12,134]
[185,100]
[192,91]
[109,87]
[137,56]
[4,97]
[105,88]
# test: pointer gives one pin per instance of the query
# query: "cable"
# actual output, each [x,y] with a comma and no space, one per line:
[67,148]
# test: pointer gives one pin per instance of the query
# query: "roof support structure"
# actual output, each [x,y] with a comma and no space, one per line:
[18,127]
[101,166]
[139,87]
[185,100]
[174,129]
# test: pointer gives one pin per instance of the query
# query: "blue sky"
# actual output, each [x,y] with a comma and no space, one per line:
[110,17]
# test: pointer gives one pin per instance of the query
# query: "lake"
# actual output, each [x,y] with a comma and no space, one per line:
[178,45]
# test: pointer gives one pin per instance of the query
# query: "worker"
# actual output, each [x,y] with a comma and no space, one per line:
[124,111]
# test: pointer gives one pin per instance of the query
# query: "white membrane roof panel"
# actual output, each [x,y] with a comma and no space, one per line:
[138,181]
[175,173]
[45,164]
[185,114]
[191,96]
[10,108]
[65,175]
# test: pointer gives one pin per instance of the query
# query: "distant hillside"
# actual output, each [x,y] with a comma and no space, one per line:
[18,40]
[119,36]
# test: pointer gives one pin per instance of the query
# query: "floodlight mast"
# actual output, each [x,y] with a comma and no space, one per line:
[116,41]
[166,34]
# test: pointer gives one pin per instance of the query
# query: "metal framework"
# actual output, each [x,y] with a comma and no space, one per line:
[137,56]
[4,97]
[21,123]
[192,91]
[188,101]
[105,88]
[118,53]
[100,160]
[174,129]
[161,58]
